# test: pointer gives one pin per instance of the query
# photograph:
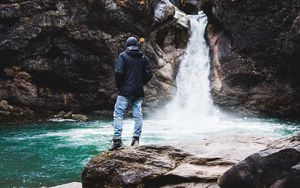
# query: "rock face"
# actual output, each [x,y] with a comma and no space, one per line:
[59,55]
[254,53]
[278,166]
[152,166]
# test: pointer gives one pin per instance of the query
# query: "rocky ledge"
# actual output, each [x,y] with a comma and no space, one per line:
[209,165]
[277,166]
[152,166]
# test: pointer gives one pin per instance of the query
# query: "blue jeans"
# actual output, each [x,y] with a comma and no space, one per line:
[120,107]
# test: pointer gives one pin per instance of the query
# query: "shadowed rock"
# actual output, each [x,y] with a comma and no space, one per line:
[275,167]
[254,55]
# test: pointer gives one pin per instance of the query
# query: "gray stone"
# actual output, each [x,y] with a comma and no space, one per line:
[232,147]
[163,11]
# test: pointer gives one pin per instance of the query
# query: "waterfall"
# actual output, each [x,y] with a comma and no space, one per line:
[192,98]
[191,112]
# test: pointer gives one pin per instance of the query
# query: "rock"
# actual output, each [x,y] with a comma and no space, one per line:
[4,113]
[254,52]
[193,185]
[27,112]
[231,147]
[166,166]
[5,106]
[23,92]
[17,114]
[192,171]
[56,57]
[79,117]
[167,72]
[60,114]
[9,72]
[163,11]
[277,166]
[152,166]
[23,76]
[68,115]
[182,19]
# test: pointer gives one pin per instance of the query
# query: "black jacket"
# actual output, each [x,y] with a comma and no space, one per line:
[132,72]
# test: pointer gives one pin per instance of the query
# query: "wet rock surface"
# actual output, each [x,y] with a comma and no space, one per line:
[277,166]
[254,54]
[195,164]
[152,166]
[231,147]
[59,55]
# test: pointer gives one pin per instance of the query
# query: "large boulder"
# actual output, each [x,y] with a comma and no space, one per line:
[59,55]
[198,163]
[255,51]
[152,166]
[278,166]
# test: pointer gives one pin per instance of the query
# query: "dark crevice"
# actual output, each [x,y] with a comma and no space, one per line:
[189,9]
[8,58]
[173,180]
[6,24]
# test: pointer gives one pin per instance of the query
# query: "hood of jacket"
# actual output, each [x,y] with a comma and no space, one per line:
[134,51]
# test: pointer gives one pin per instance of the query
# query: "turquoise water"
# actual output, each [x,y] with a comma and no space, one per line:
[48,154]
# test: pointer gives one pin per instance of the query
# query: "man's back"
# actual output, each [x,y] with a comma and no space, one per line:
[132,72]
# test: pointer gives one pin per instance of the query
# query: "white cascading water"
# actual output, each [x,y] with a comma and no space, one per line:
[192,99]
[192,111]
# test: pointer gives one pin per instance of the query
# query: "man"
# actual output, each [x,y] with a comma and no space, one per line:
[132,72]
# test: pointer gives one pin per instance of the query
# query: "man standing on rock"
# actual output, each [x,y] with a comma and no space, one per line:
[132,72]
